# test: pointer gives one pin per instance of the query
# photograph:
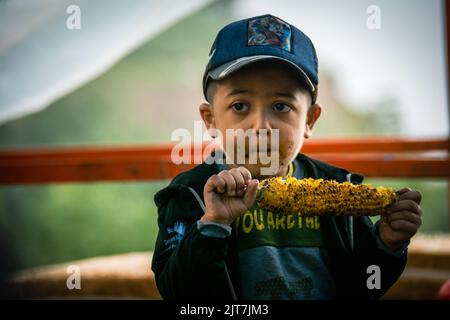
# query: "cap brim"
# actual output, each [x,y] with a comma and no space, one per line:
[227,68]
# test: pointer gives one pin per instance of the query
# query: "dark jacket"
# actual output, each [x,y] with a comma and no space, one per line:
[194,266]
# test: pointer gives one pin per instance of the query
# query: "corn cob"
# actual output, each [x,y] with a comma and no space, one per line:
[309,197]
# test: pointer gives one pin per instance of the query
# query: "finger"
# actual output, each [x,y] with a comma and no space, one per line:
[402,191]
[404,226]
[215,183]
[240,182]
[404,215]
[405,205]
[231,183]
[245,173]
[250,193]
[413,195]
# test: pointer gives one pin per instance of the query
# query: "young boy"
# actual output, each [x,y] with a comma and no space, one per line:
[214,242]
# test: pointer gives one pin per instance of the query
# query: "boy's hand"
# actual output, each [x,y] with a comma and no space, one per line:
[228,195]
[402,220]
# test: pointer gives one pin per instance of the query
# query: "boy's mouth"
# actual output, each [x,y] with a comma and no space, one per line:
[257,155]
[256,150]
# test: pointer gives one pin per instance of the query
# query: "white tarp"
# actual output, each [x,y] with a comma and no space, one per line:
[42,59]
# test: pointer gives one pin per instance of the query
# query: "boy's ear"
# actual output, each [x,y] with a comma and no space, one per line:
[311,118]
[207,114]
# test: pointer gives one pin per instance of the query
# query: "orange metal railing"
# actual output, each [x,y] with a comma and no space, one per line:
[374,157]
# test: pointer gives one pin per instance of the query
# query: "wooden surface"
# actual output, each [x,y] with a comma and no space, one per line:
[428,268]
[119,276]
[130,275]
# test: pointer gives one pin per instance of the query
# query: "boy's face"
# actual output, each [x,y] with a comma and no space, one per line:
[264,95]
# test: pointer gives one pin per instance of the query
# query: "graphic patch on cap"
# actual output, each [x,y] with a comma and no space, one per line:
[269,31]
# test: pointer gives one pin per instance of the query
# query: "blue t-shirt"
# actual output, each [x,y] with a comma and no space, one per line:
[282,256]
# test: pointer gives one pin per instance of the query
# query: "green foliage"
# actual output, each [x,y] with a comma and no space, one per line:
[51,224]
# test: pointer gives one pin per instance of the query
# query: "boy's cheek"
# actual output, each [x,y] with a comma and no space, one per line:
[289,149]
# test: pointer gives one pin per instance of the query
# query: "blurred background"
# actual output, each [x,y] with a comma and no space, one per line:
[132,74]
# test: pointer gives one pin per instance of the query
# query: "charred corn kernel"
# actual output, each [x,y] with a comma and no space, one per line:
[319,197]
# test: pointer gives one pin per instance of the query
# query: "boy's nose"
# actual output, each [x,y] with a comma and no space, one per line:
[261,121]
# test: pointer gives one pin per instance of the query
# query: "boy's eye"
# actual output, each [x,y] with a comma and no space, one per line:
[281,107]
[240,107]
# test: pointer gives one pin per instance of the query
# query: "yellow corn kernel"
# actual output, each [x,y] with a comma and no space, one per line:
[309,197]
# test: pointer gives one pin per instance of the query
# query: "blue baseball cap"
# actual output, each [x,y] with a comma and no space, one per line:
[259,38]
